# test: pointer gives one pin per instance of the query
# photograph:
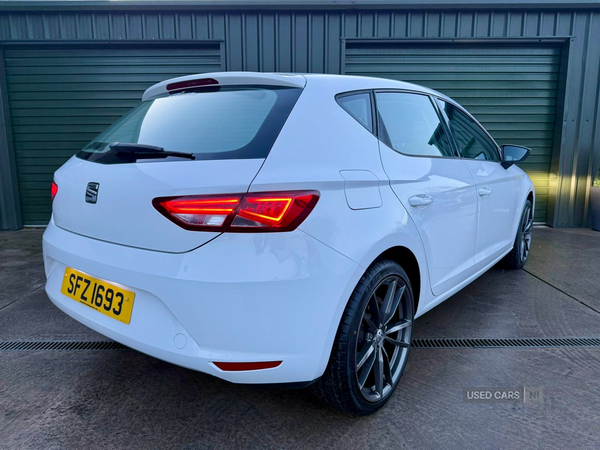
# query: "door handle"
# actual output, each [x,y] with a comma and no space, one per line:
[484,191]
[420,200]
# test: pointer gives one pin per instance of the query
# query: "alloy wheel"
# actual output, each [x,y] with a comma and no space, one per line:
[384,337]
[526,232]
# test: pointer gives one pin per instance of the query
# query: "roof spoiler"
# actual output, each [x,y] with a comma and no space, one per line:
[223,79]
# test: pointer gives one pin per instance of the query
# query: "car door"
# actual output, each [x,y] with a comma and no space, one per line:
[497,188]
[432,183]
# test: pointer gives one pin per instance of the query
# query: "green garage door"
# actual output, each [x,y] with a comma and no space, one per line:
[61,97]
[511,90]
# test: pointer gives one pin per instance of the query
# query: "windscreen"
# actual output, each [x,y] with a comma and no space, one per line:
[212,123]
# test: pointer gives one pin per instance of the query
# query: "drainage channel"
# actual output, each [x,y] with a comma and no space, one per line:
[506,343]
[60,345]
[416,343]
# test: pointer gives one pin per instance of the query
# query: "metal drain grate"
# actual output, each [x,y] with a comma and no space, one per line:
[506,343]
[60,345]
[416,343]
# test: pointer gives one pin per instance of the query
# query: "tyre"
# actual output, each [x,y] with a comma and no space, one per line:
[372,342]
[518,255]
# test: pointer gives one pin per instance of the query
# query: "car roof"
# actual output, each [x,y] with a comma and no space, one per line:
[327,82]
[355,82]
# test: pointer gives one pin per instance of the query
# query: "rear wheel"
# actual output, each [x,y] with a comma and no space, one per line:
[518,255]
[372,343]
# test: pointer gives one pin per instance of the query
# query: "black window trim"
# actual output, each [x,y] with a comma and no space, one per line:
[369,92]
[443,121]
[460,108]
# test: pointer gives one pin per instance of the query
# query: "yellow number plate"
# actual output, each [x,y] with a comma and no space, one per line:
[107,298]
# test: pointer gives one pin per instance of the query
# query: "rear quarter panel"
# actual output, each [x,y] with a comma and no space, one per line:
[319,141]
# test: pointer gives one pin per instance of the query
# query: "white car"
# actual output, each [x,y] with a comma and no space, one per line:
[281,228]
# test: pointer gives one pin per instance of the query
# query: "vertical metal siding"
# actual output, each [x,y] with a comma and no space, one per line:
[311,41]
[61,97]
[10,209]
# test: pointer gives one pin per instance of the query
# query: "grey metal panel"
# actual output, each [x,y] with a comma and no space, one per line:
[581,112]
[595,156]
[296,4]
[273,38]
[557,138]
[10,209]
[584,150]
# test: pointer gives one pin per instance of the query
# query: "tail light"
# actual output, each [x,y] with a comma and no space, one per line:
[252,212]
[54,190]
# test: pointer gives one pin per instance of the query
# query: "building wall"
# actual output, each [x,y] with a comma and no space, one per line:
[304,41]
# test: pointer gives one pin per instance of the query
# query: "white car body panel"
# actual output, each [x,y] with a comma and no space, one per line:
[222,305]
[448,225]
[124,214]
[244,297]
[498,204]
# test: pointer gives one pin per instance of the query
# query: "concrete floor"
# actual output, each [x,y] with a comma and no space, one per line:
[124,399]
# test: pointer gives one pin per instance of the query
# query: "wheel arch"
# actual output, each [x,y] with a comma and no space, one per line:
[531,198]
[406,258]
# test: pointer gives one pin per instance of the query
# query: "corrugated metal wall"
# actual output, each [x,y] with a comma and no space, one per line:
[60,98]
[313,42]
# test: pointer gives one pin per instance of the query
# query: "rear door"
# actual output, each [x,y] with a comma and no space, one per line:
[497,188]
[435,186]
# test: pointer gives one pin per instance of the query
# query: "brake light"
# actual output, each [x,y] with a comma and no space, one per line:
[253,212]
[191,84]
[53,190]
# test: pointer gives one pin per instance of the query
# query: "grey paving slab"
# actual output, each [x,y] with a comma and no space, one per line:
[569,259]
[506,303]
[122,399]
[34,317]
[21,267]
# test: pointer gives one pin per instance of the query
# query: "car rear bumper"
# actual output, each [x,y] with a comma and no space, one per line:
[238,298]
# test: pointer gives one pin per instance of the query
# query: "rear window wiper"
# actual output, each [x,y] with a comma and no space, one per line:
[144,151]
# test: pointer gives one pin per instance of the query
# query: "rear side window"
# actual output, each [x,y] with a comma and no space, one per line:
[211,123]
[358,106]
[473,142]
[409,124]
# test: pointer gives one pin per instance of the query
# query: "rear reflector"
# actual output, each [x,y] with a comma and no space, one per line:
[191,84]
[239,366]
[252,212]
[54,190]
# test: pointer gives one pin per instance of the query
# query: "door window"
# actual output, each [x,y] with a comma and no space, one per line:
[473,142]
[409,124]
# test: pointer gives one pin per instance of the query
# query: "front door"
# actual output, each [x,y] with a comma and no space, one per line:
[497,188]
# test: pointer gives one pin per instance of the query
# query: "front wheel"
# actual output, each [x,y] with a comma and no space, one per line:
[372,343]
[518,255]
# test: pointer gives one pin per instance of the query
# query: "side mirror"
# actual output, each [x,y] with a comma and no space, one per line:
[513,153]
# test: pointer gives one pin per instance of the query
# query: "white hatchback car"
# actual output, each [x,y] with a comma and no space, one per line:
[281,228]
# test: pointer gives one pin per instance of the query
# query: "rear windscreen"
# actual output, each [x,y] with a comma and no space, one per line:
[214,123]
